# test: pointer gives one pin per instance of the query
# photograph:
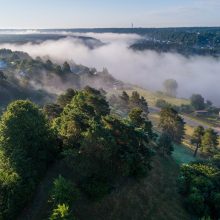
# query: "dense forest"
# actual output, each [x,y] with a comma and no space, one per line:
[98,150]
[188,41]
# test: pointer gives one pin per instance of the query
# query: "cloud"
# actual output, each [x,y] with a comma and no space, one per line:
[197,74]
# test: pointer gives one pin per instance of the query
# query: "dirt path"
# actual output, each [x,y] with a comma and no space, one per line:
[39,205]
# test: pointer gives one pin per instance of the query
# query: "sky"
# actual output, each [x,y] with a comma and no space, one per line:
[108,13]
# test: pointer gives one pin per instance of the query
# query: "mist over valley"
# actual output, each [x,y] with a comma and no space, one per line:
[147,68]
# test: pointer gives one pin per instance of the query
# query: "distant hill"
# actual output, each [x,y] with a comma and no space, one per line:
[186,40]
[40,80]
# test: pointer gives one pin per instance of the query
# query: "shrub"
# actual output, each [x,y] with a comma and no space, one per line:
[63,191]
[61,212]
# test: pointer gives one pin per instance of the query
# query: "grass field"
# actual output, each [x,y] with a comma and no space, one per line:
[183,154]
[152,97]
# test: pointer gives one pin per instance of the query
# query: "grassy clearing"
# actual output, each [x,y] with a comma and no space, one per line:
[152,97]
[183,154]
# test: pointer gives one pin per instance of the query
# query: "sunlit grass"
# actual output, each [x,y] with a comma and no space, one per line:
[152,97]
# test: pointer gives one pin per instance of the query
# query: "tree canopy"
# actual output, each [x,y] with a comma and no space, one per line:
[27,145]
[197,101]
[170,86]
[172,124]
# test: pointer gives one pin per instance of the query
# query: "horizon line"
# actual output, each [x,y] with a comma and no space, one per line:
[63,28]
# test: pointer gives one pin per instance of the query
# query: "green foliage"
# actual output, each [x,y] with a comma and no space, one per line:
[165,144]
[161,103]
[125,103]
[136,118]
[197,101]
[172,124]
[66,98]
[9,180]
[27,146]
[100,147]
[61,212]
[209,141]
[86,105]
[171,86]
[66,68]
[199,184]
[58,70]
[197,138]
[52,111]
[63,191]
[125,97]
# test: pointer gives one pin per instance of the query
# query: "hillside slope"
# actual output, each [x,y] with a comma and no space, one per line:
[153,198]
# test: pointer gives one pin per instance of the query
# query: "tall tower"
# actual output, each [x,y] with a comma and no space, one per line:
[132,25]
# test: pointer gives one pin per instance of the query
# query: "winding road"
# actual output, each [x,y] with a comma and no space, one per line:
[190,121]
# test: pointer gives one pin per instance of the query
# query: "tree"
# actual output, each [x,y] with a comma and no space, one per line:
[58,70]
[209,103]
[66,68]
[85,105]
[125,97]
[131,152]
[28,144]
[52,110]
[161,103]
[165,144]
[144,106]
[138,119]
[123,102]
[172,124]
[97,101]
[139,101]
[49,65]
[66,98]
[135,99]
[197,138]
[25,133]
[209,141]
[63,191]
[2,76]
[199,185]
[171,86]
[100,147]
[197,101]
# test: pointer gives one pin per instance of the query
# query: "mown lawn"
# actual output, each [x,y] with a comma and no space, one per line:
[182,154]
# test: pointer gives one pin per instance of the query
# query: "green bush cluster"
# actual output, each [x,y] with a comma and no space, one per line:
[199,184]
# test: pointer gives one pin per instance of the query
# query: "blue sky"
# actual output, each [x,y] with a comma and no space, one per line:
[108,13]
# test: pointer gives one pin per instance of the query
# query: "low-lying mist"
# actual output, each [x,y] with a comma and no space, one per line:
[196,74]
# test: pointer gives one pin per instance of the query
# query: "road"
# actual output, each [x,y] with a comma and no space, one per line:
[190,121]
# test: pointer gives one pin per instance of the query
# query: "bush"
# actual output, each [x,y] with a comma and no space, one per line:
[161,103]
[63,191]
[61,212]
[199,184]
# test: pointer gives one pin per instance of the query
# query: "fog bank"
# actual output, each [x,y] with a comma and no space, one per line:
[197,74]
